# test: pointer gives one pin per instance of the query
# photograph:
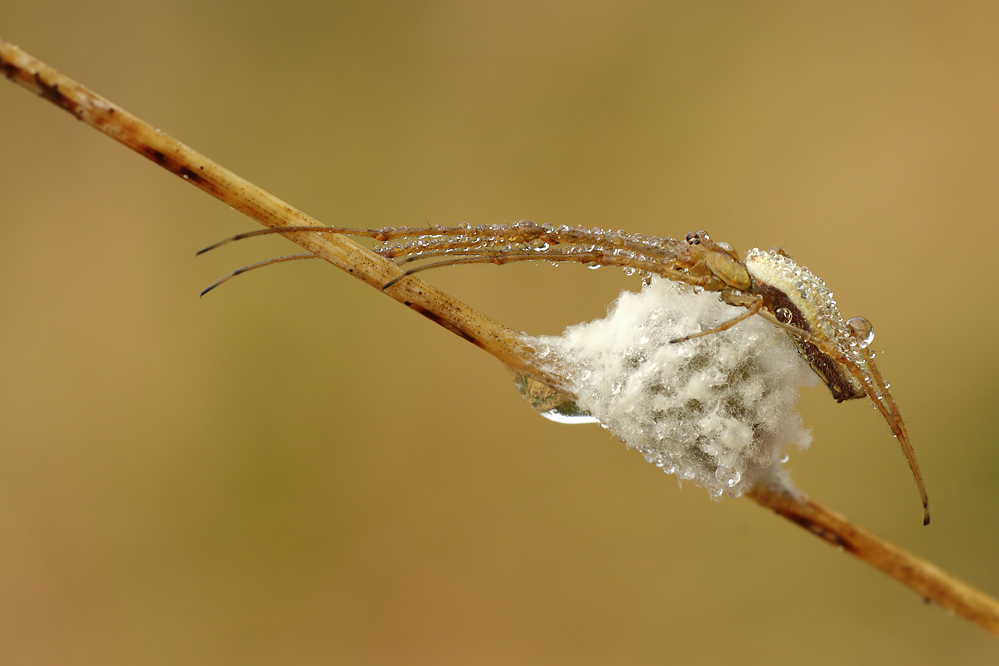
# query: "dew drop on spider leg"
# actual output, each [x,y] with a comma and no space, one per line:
[783,315]
[862,329]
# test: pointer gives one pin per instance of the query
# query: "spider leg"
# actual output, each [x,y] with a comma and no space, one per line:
[385,234]
[597,257]
[754,306]
[874,386]
[259,264]
[371,233]
[878,392]
[521,232]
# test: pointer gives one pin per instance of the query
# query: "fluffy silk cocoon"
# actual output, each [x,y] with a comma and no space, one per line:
[718,410]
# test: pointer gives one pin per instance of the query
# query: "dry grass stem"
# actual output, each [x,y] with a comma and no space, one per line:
[505,344]
[244,196]
[925,579]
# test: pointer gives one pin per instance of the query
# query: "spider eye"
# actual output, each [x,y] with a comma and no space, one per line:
[695,237]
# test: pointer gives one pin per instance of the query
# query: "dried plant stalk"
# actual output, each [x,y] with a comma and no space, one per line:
[924,578]
[244,196]
[505,344]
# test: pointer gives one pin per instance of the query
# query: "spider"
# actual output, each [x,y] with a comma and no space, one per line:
[767,284]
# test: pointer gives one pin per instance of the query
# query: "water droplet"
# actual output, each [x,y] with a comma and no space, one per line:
[784,458]
[593,266]
[464,225]
[628,270]
[574,418]
[783,315]
[728,476]
[862,329]
[551,403]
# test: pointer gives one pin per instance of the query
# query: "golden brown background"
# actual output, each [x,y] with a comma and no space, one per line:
[298,470]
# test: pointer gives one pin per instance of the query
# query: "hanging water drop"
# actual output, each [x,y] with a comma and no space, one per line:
[728,476]
[551,403]
[862,329]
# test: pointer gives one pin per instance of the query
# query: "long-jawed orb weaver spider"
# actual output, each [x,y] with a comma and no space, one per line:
[767,284]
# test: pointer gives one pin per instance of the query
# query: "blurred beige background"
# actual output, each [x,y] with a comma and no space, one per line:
[297,470]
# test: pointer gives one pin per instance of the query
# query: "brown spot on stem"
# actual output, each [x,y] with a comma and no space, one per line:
[51,93]
[190,175]
[817,529]
[437,319]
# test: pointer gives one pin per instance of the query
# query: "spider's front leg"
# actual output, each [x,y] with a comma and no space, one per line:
[752,303]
